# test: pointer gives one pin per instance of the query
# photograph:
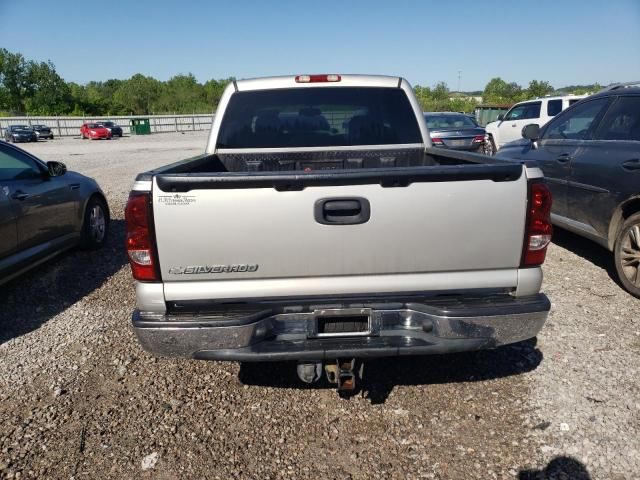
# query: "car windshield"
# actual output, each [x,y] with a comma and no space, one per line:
[107,124]
[437,122]
[318,116]
[21,127]
[94,125]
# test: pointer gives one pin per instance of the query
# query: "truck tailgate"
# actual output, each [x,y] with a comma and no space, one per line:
[423,223]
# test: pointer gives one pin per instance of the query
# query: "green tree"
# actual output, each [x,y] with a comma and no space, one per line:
[213,90]
[182,94]
[438,99]
[138,95]
[440,92]
[539,89]
[467,105]
[494,91]
[14,82]
[48,92]
[499,91]
[423,94]
[584,89]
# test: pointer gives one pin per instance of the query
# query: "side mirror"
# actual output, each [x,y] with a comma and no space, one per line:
[501,117]
[531,132]
[56,169]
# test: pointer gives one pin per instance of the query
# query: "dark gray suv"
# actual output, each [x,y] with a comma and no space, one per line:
[590,155]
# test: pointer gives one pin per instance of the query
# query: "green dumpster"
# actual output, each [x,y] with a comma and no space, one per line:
[140,126]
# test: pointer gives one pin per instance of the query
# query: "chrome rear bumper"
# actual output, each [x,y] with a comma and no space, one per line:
[273,332]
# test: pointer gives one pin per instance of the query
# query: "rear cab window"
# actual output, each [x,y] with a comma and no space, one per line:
[318,117]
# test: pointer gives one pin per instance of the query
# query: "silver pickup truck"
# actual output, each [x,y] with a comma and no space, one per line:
[321,226]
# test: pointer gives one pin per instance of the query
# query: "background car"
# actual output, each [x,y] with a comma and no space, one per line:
[44,210]
[20,133]
[114,128]
[94,131]
[42,131]
[590,156]
[508,126]
[457,131]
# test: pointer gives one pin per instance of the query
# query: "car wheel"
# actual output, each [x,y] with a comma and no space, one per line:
[95,226]
[627,254]
[490,146]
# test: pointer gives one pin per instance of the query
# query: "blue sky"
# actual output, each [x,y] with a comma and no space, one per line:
[563,41]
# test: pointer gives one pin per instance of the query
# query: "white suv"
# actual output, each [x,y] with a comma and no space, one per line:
[508,127]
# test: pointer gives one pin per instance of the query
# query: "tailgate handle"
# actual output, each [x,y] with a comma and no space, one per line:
[342,211]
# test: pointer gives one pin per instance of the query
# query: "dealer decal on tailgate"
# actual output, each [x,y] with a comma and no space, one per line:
[176,199]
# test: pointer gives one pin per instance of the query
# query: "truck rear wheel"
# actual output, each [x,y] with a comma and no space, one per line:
[627,254]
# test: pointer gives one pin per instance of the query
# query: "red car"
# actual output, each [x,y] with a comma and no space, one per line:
[94,131]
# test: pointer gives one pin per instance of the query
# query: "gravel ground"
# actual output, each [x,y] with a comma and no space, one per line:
[80,399]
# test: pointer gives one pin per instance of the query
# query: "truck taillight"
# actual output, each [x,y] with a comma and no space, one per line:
[539,230]
[317,78]
[139,240]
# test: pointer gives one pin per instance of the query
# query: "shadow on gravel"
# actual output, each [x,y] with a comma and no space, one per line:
[590,251]
[560,468]
[32,299]
[382,375]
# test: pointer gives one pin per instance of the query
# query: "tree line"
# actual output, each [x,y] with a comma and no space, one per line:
[35,88]
[497,91]
[28,87]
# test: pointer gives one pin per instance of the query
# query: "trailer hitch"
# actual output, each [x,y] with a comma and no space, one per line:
[346,373]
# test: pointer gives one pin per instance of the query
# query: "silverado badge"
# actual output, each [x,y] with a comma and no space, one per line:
[197,269]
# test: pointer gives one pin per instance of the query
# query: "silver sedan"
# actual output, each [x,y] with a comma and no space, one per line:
[44,209]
